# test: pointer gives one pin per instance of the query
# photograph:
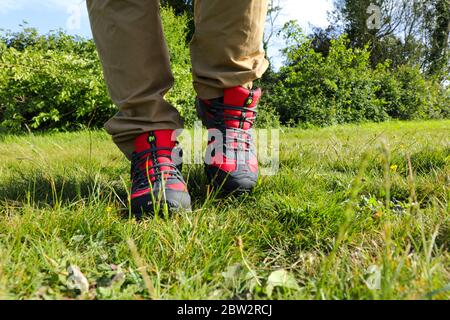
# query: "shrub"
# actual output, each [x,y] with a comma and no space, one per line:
[50,89]
[343,87]
[54,82]
[182,95]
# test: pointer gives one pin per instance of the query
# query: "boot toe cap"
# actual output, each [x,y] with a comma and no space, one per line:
[238,181]
[148,205]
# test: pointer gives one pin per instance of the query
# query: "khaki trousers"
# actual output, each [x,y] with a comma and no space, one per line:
[226,51]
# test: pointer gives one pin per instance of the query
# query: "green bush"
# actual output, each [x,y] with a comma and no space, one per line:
[343,87]
[47,88]
[54,82]
[182,95]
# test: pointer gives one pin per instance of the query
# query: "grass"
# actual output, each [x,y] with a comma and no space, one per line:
[355,212]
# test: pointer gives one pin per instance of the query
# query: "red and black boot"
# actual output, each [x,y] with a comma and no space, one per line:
[155,178]
[231,162]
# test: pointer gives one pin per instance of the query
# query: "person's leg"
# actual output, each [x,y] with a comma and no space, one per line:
[226,49]
[130,41]
[227,56]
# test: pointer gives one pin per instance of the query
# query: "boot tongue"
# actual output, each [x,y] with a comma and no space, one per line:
[240,97]
[156,139]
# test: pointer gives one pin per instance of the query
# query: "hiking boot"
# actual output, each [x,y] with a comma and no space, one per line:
[230,161]
[155,179]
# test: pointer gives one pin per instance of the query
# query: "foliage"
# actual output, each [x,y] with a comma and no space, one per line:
[409,32]
[438,25]
[342,86]
[55,81]
[182,95]
[180,7]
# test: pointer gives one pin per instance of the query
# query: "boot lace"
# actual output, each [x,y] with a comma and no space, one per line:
[239,135]
[140,169]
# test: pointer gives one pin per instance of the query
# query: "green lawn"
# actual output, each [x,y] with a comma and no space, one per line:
[355,212]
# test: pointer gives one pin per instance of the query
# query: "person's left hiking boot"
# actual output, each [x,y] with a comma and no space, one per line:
[156,180]
[231,162]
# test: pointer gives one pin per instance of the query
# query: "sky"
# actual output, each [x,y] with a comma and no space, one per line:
[71,15]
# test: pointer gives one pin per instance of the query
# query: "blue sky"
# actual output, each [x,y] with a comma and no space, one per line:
[45,15]
[71,15]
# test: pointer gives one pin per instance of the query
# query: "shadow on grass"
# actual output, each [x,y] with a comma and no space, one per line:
[40,189]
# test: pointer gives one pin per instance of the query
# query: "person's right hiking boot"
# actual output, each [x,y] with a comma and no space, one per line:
[156,180]
[231,162]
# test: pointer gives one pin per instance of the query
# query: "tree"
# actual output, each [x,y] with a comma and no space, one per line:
[391,27]
[439,29]
[272,29]
[413,32]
